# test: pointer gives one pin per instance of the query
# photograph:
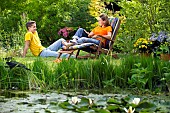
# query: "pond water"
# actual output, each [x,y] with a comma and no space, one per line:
[61,102]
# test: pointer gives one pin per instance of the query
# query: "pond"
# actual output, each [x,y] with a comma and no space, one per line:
[86,102]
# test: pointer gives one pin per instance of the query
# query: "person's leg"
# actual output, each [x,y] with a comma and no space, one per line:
[88,40]
[79,33]
[57,45]
[48,53]
[53,48]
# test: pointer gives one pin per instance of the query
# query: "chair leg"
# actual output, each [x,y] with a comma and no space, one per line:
[77,53]
[59,55]
[69,56]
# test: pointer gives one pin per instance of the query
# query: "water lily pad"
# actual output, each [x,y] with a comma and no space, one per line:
[104,111]
[53,103]
[125,100]
[113,107]
[113,101]
[67,105]
[84,102]
[146,106]
[83,108]
[42,101]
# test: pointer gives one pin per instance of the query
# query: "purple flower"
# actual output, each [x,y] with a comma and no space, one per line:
[63,32]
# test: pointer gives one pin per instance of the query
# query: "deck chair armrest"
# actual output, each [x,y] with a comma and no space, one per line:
[100,36]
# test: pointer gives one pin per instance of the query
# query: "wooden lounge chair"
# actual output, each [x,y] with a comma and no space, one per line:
[92,48]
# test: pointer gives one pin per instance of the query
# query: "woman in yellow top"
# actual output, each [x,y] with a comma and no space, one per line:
[104,29]
[33,42]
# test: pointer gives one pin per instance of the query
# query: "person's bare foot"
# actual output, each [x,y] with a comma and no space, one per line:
[58,60]
[74,41]
[65,48]
[67,45]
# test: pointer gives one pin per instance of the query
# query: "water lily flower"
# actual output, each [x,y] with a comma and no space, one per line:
[74,100]
[90,101]
[136,101]
[129,110]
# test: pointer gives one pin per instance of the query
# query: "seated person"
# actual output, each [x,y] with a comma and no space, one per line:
[33,42]
[104,29]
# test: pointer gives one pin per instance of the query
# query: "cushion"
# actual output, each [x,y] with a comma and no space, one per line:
[80,46]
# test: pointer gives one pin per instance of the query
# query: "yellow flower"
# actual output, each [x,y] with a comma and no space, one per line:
[143,46]
[129,110]
[135,45]
[145,42]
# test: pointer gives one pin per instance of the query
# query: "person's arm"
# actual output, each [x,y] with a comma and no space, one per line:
[86,32]
[91,34]
[108,36]
[27,44]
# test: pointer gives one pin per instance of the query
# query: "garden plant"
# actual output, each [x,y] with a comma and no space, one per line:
[144,29]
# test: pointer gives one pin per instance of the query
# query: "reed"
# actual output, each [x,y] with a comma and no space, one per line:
[104,72]
[3,75]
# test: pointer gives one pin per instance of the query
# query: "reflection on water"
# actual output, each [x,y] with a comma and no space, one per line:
[11,94]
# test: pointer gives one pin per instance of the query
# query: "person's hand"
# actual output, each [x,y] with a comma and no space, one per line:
[86,32]
[96,36]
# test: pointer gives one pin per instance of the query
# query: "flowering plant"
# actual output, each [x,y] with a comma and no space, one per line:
[165,48]
[65,31]
[143,45]
[162,42]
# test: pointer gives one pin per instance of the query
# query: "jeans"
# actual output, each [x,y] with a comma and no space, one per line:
[82,37]
[80,33]
[53,48]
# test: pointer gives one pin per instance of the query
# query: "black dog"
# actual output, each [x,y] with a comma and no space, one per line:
[13,64]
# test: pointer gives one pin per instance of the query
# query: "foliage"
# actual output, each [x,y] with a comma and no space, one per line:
[50,16]
[86,101]
[143,45]
[107,105]
[165,48]
[130,72]
[140,19]
[139,76]
[161,42]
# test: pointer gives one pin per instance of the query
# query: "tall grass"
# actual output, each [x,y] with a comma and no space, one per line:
[105,72]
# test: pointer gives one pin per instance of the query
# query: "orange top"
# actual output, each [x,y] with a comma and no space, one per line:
[102,31]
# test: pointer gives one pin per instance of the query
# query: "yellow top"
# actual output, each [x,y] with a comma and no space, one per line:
[35,43]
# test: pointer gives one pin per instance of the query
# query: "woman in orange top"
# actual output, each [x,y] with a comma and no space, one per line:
[104,29]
